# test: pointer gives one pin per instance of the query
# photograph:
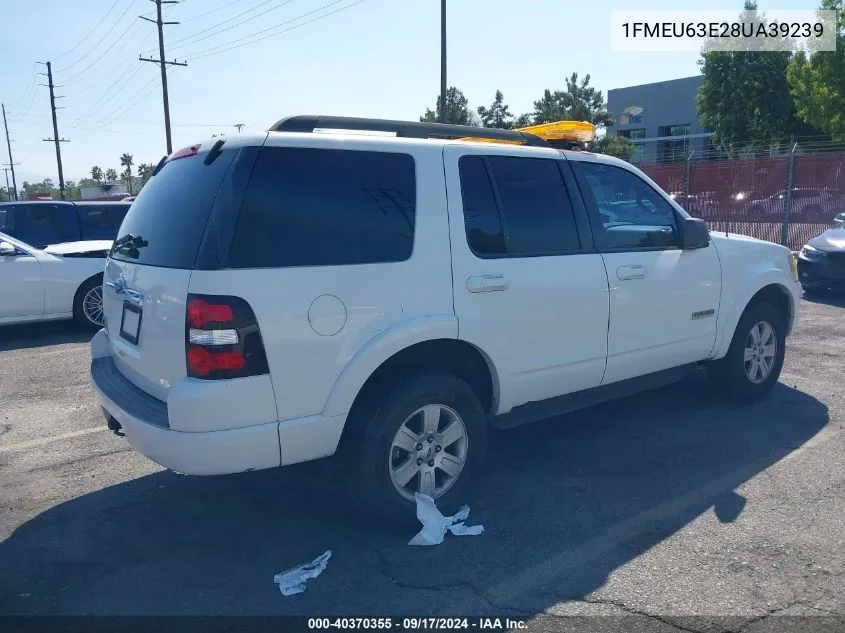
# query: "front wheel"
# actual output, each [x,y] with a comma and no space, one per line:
[88,304]
[427,435]
[754,360]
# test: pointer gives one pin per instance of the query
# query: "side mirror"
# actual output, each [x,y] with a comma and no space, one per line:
[7,249]
[839,220]
[694,234]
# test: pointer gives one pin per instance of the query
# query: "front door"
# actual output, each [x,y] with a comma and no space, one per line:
[22,292]
[527,292]
[663,300]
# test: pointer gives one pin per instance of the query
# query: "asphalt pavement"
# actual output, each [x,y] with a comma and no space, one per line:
[672,509]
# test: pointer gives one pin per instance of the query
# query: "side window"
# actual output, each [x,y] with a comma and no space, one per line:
[482,222]
[317,207]
[631,213]
[524,211]
[94,221]
[41,224]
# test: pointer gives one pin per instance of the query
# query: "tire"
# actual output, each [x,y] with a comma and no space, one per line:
[732,374]
[376,455]
[82,303]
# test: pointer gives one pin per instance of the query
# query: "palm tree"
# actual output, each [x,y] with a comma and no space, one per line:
[111,175]
[126,160]
[97,174]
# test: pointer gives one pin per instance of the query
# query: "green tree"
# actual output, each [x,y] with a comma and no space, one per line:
[111,176]
[579,102]
[457,109]
[145,172]
[744,95]
[97,174]
[817,82]
[612,145]
[127,160]
[523,120]
[497,115]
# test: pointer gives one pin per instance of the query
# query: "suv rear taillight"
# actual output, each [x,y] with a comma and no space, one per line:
[222,338]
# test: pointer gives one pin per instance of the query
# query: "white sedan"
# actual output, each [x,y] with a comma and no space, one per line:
[64,281]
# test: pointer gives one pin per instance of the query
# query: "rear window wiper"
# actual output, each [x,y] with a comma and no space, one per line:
[129,243]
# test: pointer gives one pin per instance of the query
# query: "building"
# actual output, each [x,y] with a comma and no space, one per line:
[661,119]
[109,191]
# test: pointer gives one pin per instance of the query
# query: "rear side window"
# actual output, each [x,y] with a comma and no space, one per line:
[318,207]
[168,217]
[94,221]
[525,209]
[116,213]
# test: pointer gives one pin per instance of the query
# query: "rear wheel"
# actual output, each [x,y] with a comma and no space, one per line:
[428,434]
[755,358]
[88,304]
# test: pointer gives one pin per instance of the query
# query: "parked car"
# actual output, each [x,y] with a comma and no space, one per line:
[63,281]
[821,262]
[50,222]
[808,205]
[280,298]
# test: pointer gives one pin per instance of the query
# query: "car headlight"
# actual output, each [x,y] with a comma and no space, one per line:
[812,254]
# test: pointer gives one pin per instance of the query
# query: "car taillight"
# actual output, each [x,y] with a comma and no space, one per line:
[222,338]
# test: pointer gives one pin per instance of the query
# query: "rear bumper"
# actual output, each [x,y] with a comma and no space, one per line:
[146,424]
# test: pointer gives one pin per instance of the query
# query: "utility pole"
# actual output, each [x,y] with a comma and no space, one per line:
[9,195]
[56,139]
[164,64]
[9,147]
[443,87]
[240,126]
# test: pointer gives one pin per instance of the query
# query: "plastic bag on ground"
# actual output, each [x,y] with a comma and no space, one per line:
[435,525]
[293,580]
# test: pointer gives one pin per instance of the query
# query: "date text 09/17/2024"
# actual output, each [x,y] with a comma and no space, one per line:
[417,624]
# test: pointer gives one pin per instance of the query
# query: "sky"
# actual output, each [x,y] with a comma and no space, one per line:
[372,58]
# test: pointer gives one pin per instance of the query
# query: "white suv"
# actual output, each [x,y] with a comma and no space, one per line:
[273,299]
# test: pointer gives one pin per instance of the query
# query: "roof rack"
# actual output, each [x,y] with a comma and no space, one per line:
[407,129]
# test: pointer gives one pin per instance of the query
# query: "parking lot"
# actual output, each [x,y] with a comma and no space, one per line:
[671,506]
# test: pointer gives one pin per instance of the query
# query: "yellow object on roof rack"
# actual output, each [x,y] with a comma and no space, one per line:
[570,131]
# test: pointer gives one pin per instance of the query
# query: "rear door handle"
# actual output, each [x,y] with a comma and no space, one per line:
[487,283]
[630,272]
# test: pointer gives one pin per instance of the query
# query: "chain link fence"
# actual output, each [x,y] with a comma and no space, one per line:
[788,196]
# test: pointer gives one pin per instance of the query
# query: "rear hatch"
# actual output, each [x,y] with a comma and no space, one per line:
[149,268]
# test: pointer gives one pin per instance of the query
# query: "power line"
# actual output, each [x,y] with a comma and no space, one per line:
[84,39]
[226,47]
[123,80]
[120,38]
[181,43]
[202,15]
[110,118]
[101,40]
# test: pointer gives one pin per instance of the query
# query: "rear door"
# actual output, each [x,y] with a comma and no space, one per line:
[149,269]
[529,289]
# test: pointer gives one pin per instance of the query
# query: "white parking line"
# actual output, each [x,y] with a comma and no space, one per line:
[51,438]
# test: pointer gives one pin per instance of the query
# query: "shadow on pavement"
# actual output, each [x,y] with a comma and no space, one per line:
[29,335]
[564,503]
[829,298]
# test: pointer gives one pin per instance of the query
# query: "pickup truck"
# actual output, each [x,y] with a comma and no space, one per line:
[43,222]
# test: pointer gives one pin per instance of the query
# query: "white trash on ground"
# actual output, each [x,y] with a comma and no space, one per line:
[293,580]
[435,525]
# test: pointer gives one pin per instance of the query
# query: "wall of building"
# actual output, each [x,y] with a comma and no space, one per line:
[660,118]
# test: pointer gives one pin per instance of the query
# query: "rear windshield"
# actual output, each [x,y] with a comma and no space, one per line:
[168,217]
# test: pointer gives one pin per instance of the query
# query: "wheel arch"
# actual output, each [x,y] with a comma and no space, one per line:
[777,294]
